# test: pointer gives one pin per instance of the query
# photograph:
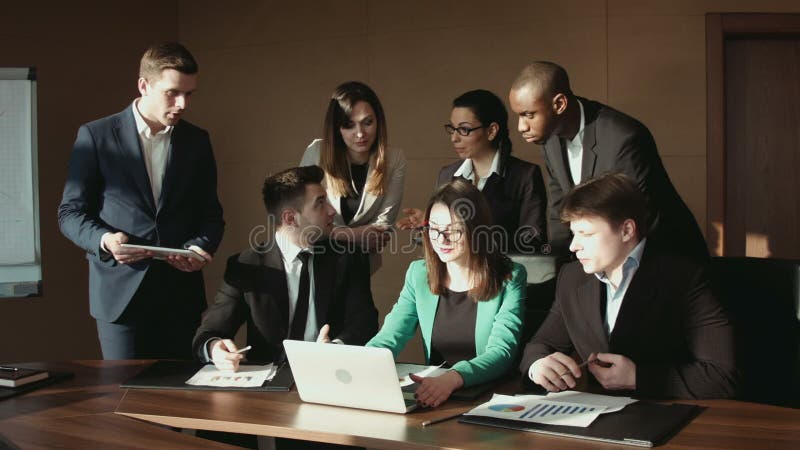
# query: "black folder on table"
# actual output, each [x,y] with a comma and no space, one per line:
[640,424]
[173,375]
[55,377]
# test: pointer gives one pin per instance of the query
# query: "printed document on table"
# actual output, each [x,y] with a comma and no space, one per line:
[247,376]
[611,403]
[538,409]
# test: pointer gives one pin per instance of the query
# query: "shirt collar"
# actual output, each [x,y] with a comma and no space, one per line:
[289,250]
[578,139]
[141,126]
[466,169]
[632,261]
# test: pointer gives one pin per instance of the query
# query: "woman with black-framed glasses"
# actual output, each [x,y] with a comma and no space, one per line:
[466,297]
[514,189]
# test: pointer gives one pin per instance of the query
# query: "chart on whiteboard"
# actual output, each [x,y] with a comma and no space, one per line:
[17,233]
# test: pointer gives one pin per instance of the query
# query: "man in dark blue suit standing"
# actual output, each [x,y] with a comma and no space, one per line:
[145,176]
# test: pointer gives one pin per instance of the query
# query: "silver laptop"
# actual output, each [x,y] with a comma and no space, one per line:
[346,375]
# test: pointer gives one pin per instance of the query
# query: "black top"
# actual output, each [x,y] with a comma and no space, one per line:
[453,335]
[349,204]
[517,200]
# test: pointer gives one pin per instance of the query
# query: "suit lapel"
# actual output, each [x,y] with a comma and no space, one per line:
[174,160]
[487,310]
[556,154]
[367,198]
[638,300]
[131,149]
[427,303]
[276,290]
[491,190]
[336,202]
[589,139]
[589,153]
[589,297]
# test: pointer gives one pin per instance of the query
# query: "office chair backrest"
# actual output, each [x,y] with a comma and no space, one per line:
[763,297]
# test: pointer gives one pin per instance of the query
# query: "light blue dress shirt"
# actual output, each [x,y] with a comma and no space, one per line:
[614,296]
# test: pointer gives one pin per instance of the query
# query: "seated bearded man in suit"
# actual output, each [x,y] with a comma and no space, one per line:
[292,286]
[644,319]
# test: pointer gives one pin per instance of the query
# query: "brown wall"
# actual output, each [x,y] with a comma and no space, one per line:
[86,55]
[267,69]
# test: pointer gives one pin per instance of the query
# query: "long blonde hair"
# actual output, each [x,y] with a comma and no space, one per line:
[333,157]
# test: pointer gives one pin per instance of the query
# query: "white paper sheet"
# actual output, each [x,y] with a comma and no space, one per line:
[538,409]
[247,376]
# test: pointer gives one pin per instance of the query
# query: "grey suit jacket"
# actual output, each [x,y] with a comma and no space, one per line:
[108,190]
[616,142]
[670,325]
[377,210]
[254,291]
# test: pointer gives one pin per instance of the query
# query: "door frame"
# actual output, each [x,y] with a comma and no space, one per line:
[719,27]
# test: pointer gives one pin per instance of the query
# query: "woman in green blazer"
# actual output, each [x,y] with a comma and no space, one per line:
[466,296]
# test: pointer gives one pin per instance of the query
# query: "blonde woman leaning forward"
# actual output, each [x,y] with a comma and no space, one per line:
[364,177]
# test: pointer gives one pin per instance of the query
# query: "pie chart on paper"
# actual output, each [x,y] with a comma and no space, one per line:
[506,408]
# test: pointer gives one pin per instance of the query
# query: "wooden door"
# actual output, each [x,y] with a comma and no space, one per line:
[762,147]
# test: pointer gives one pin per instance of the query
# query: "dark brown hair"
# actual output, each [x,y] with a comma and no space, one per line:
[288,189]
[613,196]
[487,265]
[166,55]
[488,109]
[333,157]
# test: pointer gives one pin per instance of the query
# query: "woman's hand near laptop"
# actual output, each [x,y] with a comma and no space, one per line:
[433,391]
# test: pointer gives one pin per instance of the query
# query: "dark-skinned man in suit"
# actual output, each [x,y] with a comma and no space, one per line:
[583,139]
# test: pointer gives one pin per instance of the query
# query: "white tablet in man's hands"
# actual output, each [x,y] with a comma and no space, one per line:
[164,251]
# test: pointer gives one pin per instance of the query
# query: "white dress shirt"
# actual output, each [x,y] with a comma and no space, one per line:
[466,170]
[614,296]
[155,149]
[292,264]
[575,150]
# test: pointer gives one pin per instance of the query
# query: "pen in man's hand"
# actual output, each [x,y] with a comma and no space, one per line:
[441,419]
[243,349]
[583,364]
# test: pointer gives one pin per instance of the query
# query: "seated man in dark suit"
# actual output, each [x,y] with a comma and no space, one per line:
[293,286]
[644,319]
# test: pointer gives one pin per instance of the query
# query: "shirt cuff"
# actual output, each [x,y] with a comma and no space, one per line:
[530,371]
[206,356]
[103,238]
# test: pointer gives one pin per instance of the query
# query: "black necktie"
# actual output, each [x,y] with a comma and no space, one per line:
[301,308]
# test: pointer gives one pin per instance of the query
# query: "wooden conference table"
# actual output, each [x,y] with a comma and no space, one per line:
[90,411]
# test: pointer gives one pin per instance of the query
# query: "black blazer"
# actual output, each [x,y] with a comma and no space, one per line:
[670,325]
[254,291]
[108,190]
[616,142]
[517,200]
